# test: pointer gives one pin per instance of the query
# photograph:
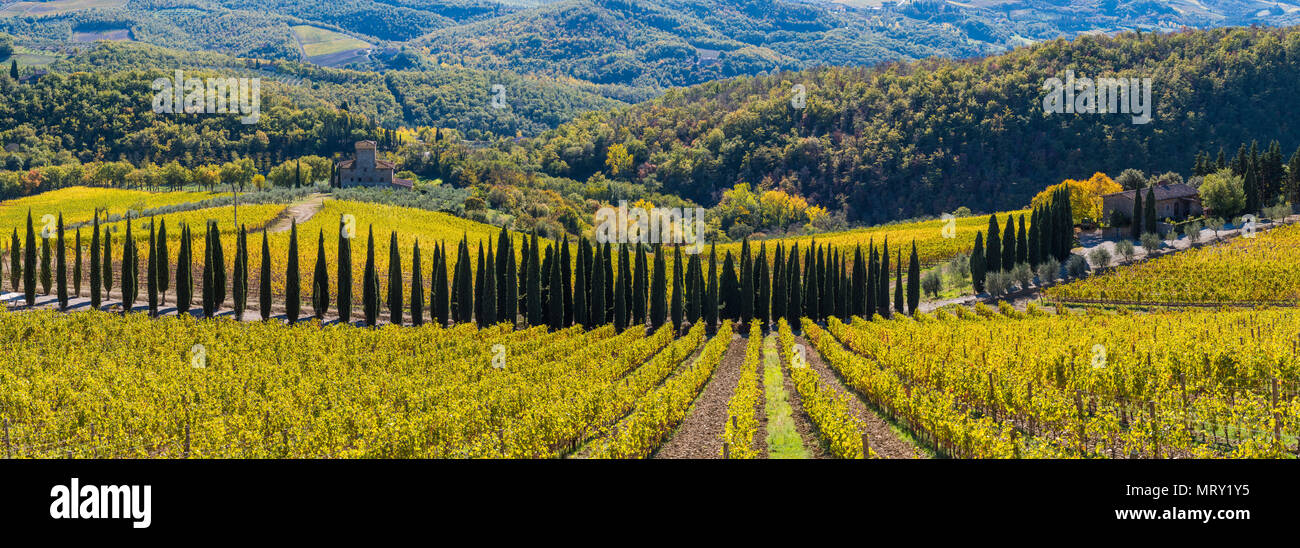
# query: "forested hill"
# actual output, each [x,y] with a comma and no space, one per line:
[903,140]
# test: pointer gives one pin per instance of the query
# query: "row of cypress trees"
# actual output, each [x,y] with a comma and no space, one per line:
[1050,235]
[546,287]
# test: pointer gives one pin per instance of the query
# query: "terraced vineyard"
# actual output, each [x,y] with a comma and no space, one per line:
[1244,271]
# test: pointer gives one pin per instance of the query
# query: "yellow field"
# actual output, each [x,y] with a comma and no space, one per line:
[78,204]
[1261,269]
[317,41]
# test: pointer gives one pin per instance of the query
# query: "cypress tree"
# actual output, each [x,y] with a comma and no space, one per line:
[208,272]
[76,266]
[596,316]
[993,246]
[1009,244]
[1032,251]
[106,275]
[536,314]
[16,264]
[872,272]
[417,287]
[479,286]
[320,282]
[61,267]
[467,284]
[794,303]
[609,283]
[525,258]
[825,278]
[747,286]
[677,306]
[882,293]
[508,290]
[659,289]
[555,308]
[453,293]
[711,301]
[184,276]
[219,262]
[130,270]
[164,265]
[843,305]
[779,298]
[345,275]
[811,280]
[439,308]
[239,282]
[898,284]
[977,263]
[46,278]
[394,300]
[489,306]
[857,297]
[263,281]
[1022,242]
[625,258]
[370,282]
[1066,231]
[701,290]
[620,302]
[29,263]
[640,287]
[1136,227]
[292,277]
[692,306]
[729,292]
[151,270]
[829,299]
[763,292]
[499,269]
[1150,204]
[566,281]
[580,304]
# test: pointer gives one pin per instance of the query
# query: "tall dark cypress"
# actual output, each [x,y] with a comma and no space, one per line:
[457,273]
[747,287]
[625,272]
[555,306]
[810,279]
[609,282]
[61,267]
[239,281]
[640,288]
[580,305]
[978,266]
[693,306]
[882,294]
[417,287]
[263,281]
[130,272]
[344,274]
[320,282]
[566,281]
[825,298]
[164,269]
[993,246]
[29,263]
[218,262]
[521,301]
[676,308]
[508,290]
[870,289]
[151,271]
[439,293]
[480,274]
[208,272]
[779,297]
[1150,219]
[711,301]
[658,289]
[913,281]
[620,301]
[489,306]
[843,307]
[76,266]
[16,263]
[701,289]
[596,316]
[763,287]
[370,282]
[729,294]
[794,303]
[1032,253]
[1135,229]
[536,314]
[857,298]
[1009,244]
[292,277]
[184,273]
[898,284]
[465,288]
[503,254]
[394,300]
[1022,242]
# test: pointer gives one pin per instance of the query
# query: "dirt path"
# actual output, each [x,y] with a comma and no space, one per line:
[700,435]
[882,438]
[300,211]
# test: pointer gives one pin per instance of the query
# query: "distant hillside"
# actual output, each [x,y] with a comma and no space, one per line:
[902,141]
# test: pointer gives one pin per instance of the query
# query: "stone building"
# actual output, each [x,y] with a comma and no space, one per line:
[367,169]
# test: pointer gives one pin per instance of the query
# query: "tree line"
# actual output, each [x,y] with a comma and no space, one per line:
[1049,237]
[557,285]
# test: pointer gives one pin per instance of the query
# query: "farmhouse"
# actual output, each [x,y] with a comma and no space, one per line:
[366,169]
[1173,201]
